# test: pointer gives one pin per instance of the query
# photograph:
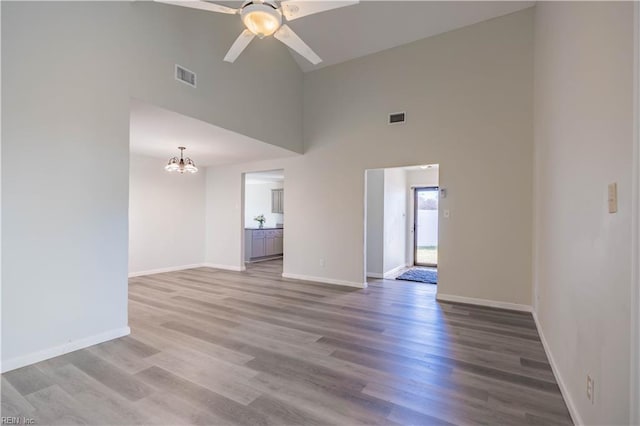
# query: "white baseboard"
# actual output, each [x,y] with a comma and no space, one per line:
[483,302]
[32,358]
[389,274]
[162,270]
[225,267]
[324,280]
[577,419]
[392,272]
[184,267]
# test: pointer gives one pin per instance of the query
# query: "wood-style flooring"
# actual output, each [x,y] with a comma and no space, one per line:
[213,347]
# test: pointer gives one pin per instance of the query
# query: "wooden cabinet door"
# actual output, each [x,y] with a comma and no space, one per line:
[270,248]
[278,245]
[258,248]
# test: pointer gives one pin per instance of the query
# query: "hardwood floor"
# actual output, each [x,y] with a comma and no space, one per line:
[219,348]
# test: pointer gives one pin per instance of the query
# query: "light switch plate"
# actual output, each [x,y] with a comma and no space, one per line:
[613,198]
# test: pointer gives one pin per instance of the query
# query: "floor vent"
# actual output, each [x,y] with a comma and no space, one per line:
[397,118]
[185,76]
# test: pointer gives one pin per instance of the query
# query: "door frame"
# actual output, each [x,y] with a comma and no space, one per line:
[634,415]
[414,226]
[243,183]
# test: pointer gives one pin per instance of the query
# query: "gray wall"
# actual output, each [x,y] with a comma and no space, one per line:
[65,160]
[259,95]
[69,70]
[583,142]
[468,95]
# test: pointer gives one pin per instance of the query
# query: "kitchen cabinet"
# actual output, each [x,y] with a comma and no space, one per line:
[278,244]
[258,244]
[277,200]
[263,243]
[274,242]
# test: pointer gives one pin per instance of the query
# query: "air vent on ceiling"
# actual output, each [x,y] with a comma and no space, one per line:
[397,118]
[185,76]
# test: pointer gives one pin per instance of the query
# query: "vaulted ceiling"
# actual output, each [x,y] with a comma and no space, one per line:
[337,36]
[372,26]
[157,132]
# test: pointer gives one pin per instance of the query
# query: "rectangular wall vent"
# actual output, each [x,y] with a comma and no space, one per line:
[185,76]
[397,118]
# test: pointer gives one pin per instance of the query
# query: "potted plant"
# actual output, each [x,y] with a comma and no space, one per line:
[261,220]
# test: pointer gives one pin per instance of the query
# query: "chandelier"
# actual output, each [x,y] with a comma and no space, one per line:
[181,164]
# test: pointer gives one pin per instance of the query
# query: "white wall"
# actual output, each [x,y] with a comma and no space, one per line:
[166,217]
[470,95]
[583,142]
[375,222]
[395,220]
[257,201]
[426,177]
[65,164]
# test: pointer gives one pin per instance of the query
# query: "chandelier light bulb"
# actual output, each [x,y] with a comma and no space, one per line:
[190,166]
[172,166]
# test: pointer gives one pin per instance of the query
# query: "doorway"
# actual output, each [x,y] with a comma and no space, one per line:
[401,222]
[263,218]
[425,226]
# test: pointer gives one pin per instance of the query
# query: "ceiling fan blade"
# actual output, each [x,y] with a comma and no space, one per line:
[202,5]
[239,45]
[286,35]
[294,9]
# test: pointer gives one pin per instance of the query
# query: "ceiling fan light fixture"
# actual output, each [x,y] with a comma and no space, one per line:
[264,18]
[261,19]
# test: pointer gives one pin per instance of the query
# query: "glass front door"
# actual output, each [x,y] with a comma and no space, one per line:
[425,226]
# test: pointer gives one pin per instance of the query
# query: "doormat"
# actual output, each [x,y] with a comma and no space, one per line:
[421,275]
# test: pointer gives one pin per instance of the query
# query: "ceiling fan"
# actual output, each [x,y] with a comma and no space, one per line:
[264,18]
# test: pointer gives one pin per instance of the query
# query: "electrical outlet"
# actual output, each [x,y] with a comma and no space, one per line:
[591,387]
[322,263]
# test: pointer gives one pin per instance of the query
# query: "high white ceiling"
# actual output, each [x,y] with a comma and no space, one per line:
[372,26]
[157,132]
